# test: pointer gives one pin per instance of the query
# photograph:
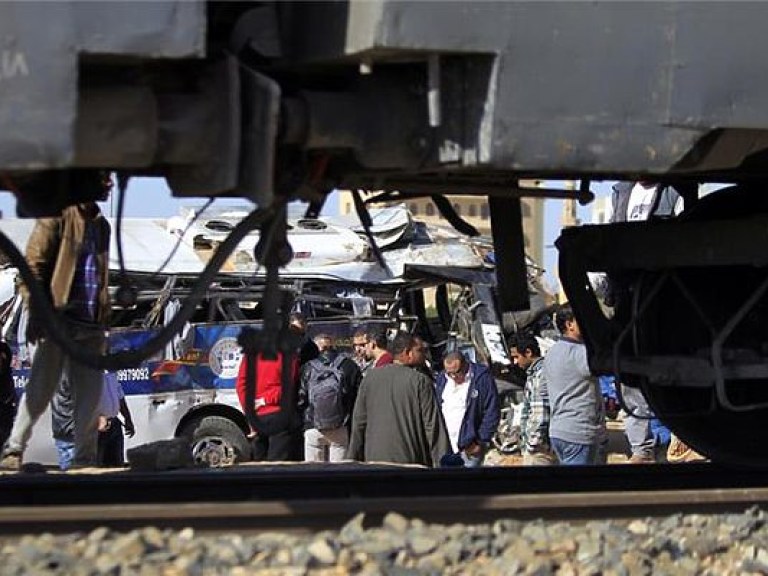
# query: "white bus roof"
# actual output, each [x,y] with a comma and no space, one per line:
[146,245]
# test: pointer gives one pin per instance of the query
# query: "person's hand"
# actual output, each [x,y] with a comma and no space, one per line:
[130,431]
[473,449]
[259,403]
[103,423]
[34,329]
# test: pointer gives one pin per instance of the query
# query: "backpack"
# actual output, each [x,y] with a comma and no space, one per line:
[325,393]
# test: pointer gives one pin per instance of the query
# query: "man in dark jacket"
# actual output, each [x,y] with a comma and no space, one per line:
[396,416]
[328,441]
[470,405]
[309,350]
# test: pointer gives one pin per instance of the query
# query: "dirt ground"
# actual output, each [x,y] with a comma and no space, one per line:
[618,452]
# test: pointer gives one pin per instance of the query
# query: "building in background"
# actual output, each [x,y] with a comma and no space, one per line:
[568,217]
[474,209]
[601,210]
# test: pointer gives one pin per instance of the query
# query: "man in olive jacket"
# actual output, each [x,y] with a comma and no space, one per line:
[396,416]
[69,256]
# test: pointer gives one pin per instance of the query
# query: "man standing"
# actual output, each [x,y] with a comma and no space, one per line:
[327,395]
[376,348]
[323,343]
[635,202]
[359,347]
[279,435]
[69,256]
[470,405]
[396,416]
[534,421]
[577,427]
[111,446]
[297,323]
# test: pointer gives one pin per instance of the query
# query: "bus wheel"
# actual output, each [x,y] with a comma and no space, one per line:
[217,442]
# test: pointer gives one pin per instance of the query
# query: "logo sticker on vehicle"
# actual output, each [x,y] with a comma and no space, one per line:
[224,358]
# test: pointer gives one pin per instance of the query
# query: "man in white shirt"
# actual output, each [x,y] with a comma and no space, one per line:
[469,402]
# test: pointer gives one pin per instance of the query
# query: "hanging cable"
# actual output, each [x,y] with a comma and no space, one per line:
[122,186]
[365,220]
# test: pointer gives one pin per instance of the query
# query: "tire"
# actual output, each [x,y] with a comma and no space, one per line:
[217,442]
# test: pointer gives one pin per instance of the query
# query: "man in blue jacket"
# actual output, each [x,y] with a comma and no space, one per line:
[469,402]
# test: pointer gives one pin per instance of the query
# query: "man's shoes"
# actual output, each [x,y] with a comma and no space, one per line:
[640,459]
[679,451]
[11,461]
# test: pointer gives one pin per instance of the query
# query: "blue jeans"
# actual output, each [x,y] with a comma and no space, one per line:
[573,454]
[66,452]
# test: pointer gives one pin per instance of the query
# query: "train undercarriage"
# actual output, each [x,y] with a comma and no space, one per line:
[277,101]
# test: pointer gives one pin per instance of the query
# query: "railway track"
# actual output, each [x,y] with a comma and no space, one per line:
[306,498]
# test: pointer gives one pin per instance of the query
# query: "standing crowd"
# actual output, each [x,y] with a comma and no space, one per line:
[383,404]
[386,404]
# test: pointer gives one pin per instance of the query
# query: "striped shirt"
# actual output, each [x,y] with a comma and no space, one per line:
[534,420]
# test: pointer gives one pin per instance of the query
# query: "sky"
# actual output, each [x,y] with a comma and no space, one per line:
[151,197]
[552,214]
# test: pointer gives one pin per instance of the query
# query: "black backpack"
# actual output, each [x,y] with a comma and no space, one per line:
[325,389]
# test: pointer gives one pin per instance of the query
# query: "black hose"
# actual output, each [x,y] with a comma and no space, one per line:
[365,220]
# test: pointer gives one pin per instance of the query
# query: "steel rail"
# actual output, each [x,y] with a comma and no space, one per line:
[302,498]
[303,516]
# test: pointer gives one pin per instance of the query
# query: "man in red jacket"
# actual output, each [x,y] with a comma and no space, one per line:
[279,437]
